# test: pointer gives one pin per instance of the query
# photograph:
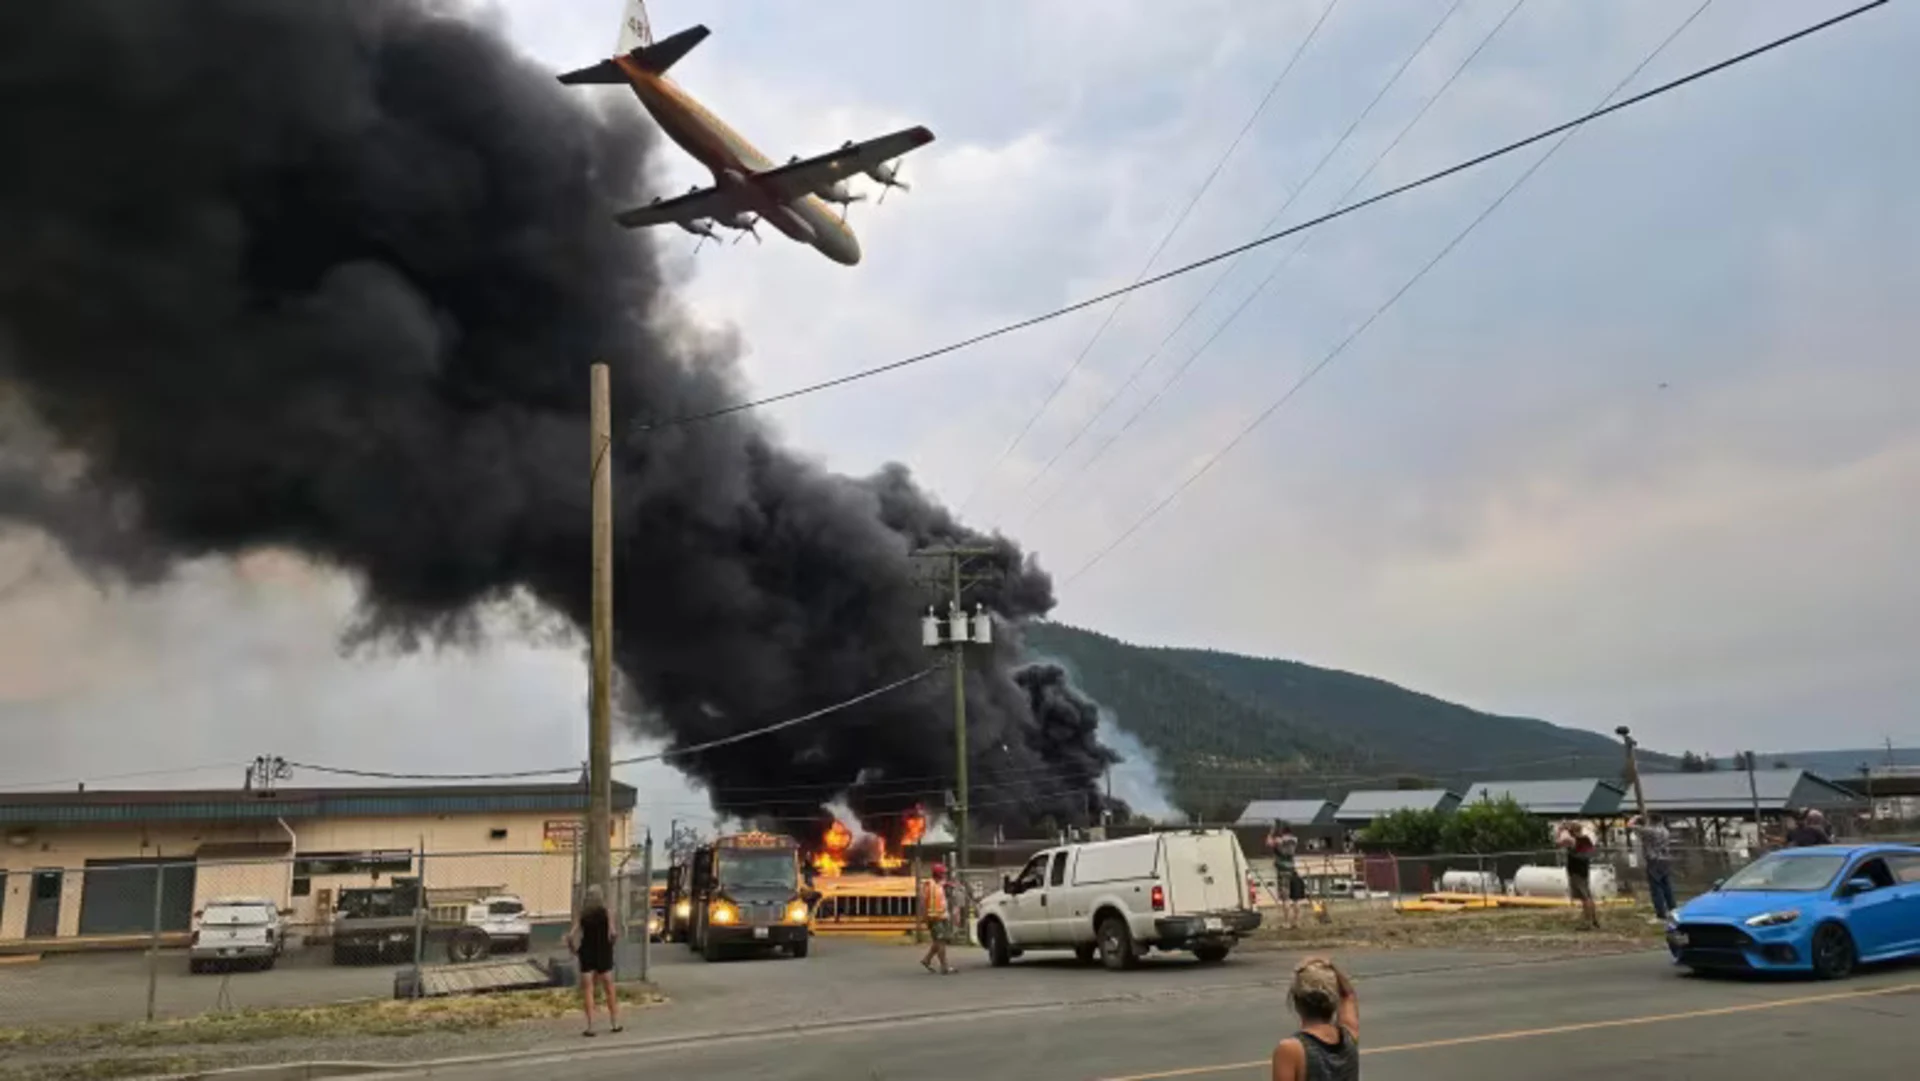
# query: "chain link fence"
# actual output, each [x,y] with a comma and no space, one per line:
[127,940]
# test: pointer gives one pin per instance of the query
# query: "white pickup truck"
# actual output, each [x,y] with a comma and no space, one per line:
[1184,890]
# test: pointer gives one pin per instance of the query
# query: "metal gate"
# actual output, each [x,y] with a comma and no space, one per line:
[118,895]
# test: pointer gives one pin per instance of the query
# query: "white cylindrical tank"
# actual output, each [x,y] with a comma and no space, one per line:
[1552,882]
[1470,882]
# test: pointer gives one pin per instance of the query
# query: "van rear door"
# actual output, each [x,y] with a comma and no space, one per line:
[1203,873]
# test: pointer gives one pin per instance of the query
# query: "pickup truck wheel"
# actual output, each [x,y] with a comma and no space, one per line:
[799,949]
[1116,944]
[1085,954]
[710,950]
[994,938]
[1210,955]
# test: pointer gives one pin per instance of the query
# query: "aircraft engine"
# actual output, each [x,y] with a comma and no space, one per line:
[839,192]
[888,174]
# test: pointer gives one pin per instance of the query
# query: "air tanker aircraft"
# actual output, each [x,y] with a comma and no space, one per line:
[747,187]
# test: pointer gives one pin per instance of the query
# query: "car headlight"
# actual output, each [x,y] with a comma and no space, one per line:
[797,912]
[683,909]
[722,912]
[1773,919]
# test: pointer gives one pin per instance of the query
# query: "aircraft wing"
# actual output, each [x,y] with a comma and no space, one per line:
[701,203]
[790,182]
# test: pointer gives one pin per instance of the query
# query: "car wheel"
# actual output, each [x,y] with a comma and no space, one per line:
[799,949]
[994,938]
[1210,954]
[1833,952]
[1116,944]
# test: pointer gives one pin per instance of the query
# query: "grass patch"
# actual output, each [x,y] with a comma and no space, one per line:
[380,1017]
[1381,927]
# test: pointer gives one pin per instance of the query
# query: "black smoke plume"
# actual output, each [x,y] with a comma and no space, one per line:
[327,275]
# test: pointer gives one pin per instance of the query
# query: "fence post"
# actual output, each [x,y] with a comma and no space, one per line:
[1395,902]
[420,919]
[919,891]
[153,945]
[646,920]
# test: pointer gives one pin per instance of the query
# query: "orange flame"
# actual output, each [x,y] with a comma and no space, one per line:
[886,862]
[832,857]
[915,827]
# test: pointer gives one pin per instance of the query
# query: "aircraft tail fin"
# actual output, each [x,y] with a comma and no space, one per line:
[658,56]
[655,58]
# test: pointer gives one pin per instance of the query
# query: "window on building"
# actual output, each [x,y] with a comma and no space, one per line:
[388,862]
[498,834]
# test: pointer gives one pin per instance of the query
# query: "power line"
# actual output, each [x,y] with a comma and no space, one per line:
[1312,175]
[14,785]
[675,752]
[1333,354]
[1188,268]
[1154,398]
[1158,248]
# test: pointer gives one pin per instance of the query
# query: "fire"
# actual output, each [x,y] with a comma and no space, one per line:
[915,827]
[886,862]
[832,857]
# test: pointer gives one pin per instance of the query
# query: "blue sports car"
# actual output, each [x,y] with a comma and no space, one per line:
[1822,909]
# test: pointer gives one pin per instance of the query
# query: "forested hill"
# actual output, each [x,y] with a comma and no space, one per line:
[1229,728]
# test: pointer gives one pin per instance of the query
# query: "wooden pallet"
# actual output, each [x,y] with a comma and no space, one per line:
[481,977]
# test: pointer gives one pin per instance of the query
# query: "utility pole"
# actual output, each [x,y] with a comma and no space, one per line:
[596,853]
[1633,770]
[958,636]
[1753,790]
[1866,775]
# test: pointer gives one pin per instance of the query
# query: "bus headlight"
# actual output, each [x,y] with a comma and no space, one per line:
[722,912]
[797,912]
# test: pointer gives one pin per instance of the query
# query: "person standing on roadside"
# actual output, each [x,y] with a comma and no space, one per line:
[1287,884]
[937,912]
[1656,846]
[1579,845]
[1327,1045]
[591,940]
[1812,830]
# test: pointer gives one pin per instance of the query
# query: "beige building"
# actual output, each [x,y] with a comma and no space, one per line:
[98,863]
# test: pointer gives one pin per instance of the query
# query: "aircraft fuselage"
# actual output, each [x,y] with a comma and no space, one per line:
[733,161]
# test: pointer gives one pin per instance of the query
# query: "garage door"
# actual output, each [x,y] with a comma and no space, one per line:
[117,896]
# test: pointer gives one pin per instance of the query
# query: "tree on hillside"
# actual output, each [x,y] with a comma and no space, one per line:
[1781,763]
[1697,763]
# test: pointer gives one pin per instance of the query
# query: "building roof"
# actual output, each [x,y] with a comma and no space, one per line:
[1365,806]
[1554,799]
[1294,812]
[231,804]
[1727,792]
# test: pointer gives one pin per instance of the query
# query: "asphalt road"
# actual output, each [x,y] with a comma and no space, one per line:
[1595,1018]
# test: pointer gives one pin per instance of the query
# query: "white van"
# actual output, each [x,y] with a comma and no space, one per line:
[236,930]
[1186,890]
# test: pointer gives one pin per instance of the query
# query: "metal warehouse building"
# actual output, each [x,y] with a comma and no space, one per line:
[90,863]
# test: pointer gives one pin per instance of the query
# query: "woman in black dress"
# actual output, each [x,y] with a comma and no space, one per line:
[591,941]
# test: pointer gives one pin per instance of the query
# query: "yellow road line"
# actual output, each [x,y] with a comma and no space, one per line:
[1556,1030]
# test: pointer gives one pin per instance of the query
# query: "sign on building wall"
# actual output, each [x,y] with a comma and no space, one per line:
[563,834]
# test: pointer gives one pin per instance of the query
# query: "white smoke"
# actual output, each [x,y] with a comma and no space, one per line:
[1136,777]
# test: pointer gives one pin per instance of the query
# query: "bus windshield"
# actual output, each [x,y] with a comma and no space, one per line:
[761,867]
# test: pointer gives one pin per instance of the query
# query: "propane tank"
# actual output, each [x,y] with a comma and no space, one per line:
[982,625]
[930,629]
[957,619]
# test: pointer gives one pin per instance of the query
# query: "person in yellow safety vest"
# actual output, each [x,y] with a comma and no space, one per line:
[934,910]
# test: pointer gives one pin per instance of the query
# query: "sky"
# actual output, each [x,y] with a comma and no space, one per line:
[1639,449]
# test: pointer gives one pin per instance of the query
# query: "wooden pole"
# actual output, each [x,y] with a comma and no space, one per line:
[596,852]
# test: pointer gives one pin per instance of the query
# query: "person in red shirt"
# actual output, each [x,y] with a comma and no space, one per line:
[1578,842]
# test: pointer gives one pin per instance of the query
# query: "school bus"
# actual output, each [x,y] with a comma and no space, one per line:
[744,896]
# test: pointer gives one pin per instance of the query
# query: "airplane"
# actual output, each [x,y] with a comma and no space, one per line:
[748,187]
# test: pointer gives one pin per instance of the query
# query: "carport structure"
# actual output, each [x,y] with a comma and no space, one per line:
[1362,807]
[1590,798]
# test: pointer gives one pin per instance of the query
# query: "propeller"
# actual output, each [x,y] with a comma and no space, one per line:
[750,228]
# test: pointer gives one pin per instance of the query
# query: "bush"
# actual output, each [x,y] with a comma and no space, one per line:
[1494,826]
[1406,833]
